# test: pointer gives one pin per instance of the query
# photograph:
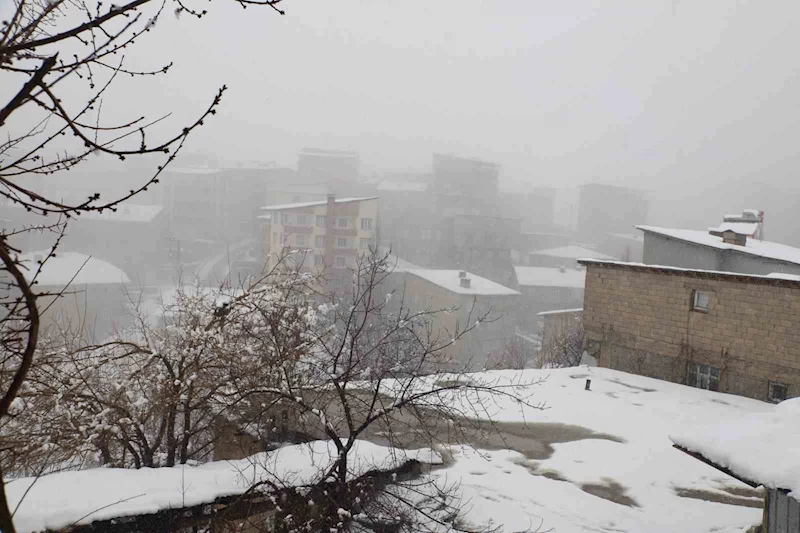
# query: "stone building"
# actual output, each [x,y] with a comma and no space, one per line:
[734,333]
[721,249]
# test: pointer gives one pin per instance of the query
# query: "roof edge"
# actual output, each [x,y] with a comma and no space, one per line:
[677,271]
[722,469]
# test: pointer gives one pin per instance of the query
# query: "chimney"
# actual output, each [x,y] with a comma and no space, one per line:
[465,282]
[331,201]
[562,268]
[462,273]
[731,237]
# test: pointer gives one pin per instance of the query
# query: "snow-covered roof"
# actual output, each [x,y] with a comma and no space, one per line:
[125,213]
[449,280]
[314,204]
[81,497]
[59,271]
[550,277]
[765,249]
[742,228]
[762,447]
[388,185]
[572,252]
[560,311]
[679,270]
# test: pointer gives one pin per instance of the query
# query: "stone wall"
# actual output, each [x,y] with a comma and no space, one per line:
[643,318]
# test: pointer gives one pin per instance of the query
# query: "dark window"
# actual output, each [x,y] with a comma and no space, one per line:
[777,392]
[704,377]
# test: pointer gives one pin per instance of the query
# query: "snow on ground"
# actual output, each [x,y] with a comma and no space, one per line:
[630,466]
[760,447]
[58,500]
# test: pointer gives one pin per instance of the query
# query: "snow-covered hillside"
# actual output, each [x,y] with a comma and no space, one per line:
[634,480]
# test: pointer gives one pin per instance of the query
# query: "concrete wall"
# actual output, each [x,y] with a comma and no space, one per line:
[644,322]
[475,348]
[739,262]
[661,250]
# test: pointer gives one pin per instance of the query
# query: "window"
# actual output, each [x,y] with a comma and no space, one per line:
[274,238]
[704,377]
[365,244]
[342,222]
[319,241]
[319,260]
[341,242]
[322,221]
[340,261]
[302,220]
[777,392]
[286,219]
[300,240]
[700,301]
[426,234]
[366,224]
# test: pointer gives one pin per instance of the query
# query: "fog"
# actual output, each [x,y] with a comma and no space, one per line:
[692,104]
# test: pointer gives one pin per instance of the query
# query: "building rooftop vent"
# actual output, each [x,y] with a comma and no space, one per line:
[462,274]
[731,237]
[465,282]
[562,268]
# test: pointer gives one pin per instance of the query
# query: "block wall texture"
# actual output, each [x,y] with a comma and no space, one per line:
[645,323]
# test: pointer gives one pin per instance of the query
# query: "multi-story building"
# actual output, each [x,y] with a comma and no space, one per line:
[735,333]
[330,234]
[220,205]
[609,209]
[339,170]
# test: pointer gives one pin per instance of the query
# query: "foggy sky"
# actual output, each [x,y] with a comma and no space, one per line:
[556,91]
[666,95]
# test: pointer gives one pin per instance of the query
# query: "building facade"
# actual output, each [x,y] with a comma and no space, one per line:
[467,298]
[607,209]
[329,234]
[546,289]
[732,333]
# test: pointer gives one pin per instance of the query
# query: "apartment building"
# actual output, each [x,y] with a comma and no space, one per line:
[735,333]
[331,234]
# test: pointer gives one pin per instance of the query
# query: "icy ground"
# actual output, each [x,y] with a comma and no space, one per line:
[602,460]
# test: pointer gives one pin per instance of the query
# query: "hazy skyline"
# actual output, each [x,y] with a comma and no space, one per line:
[561,92]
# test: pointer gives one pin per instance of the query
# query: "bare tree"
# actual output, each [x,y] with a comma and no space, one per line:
[62,56]
[563,341]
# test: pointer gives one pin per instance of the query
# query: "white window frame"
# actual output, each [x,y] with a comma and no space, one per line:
[300,239]
[701,301]
[342,222]
[321,221]
[426,234]
[774,398]
[705,377]
[319,260]
[302,220]
[364,243]
[319,241]
[286,218]
[341,261]
[366,224]
[341,242]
